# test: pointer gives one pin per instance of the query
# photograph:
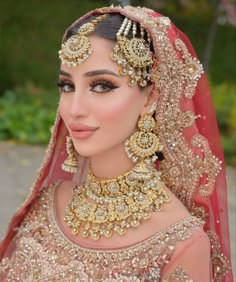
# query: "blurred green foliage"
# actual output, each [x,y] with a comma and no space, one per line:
[31,32]
[225,103]
[26,114]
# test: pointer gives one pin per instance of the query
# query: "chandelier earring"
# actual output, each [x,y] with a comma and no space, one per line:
[143,143]
[71,163]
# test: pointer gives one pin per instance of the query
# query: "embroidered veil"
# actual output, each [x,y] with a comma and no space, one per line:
[193,167]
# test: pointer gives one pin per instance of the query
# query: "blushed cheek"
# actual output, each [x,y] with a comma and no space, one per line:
[118,109]
[63,110]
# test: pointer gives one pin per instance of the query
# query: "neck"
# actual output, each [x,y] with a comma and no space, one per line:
[111,164]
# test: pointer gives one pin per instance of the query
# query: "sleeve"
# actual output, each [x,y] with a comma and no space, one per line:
[190,261]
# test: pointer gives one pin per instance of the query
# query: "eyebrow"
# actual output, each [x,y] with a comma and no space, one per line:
[91,73]
[64,73]
[100,72]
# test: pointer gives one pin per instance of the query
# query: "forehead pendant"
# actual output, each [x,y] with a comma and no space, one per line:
[133,55]
[77,48]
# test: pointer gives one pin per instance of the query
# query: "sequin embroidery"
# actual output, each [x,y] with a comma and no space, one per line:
[44,253]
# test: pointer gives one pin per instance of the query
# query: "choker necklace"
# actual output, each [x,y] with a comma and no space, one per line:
[101,207]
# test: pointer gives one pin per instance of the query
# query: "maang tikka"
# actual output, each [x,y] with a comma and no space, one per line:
[71,163]
[133,55]
[77,48]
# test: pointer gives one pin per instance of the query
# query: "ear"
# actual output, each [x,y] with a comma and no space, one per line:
[152,97]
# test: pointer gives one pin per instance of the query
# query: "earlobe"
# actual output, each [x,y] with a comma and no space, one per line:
[153,108]
[151,102]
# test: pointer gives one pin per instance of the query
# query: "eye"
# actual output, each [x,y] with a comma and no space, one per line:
[102,86]
[65,86]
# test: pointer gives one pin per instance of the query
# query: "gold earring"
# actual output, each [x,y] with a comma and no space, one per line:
[71,163]
[144,143]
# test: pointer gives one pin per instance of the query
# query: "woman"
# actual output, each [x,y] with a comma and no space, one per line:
[129,179]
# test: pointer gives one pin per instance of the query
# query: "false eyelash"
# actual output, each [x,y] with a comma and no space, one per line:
[61,83]
[103,82]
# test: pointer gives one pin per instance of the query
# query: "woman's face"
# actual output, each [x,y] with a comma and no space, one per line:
[98,106]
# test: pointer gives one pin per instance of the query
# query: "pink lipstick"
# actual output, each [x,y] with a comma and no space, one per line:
[81,131]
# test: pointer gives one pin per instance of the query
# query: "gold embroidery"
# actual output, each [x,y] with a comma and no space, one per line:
[44,253]
[179,274]
[199,212]
[220,262]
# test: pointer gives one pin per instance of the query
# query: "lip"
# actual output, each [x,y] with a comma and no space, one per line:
[81,131]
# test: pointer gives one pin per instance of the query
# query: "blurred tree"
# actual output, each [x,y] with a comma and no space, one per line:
[30,33]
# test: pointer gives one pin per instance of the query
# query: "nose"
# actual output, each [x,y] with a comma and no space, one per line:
[79,105]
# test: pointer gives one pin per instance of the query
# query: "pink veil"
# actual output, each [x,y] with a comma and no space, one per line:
[186,124]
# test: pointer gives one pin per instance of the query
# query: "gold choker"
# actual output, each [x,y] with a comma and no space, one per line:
[101,207]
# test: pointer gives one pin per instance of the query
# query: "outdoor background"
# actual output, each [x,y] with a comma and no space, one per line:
[30,37]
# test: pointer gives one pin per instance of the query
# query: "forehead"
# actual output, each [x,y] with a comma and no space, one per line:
[101,55]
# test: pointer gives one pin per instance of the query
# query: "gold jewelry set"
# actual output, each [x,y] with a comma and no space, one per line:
[104,207]
[134,56]
[101,207]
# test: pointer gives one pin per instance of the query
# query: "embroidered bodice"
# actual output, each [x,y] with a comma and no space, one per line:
[42,252]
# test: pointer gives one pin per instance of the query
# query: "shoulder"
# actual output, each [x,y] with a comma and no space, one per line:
[59,189]
[189,257]
[64,188]
[170,213]
[57,193]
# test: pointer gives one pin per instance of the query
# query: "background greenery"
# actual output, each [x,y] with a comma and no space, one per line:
[31,31]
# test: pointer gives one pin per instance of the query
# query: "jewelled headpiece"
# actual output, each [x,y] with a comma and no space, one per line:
[78,47]
[133,55]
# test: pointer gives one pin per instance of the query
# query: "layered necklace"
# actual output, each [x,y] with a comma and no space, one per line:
[101,207]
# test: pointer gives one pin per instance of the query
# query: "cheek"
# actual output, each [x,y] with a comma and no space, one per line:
[63,109]
[122,108]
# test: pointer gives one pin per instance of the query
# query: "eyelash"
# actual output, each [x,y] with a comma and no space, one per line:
[104,83]
[99,82]
[62,84]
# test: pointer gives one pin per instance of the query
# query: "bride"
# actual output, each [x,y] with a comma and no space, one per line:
[127,189]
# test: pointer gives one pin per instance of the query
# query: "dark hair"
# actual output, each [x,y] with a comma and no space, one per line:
[107,28]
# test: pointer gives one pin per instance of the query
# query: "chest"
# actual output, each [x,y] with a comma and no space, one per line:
[43,253]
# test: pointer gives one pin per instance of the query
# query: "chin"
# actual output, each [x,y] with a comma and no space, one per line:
[88,152]
[98,148]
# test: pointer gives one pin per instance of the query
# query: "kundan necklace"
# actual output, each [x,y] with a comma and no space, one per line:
[101,207]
